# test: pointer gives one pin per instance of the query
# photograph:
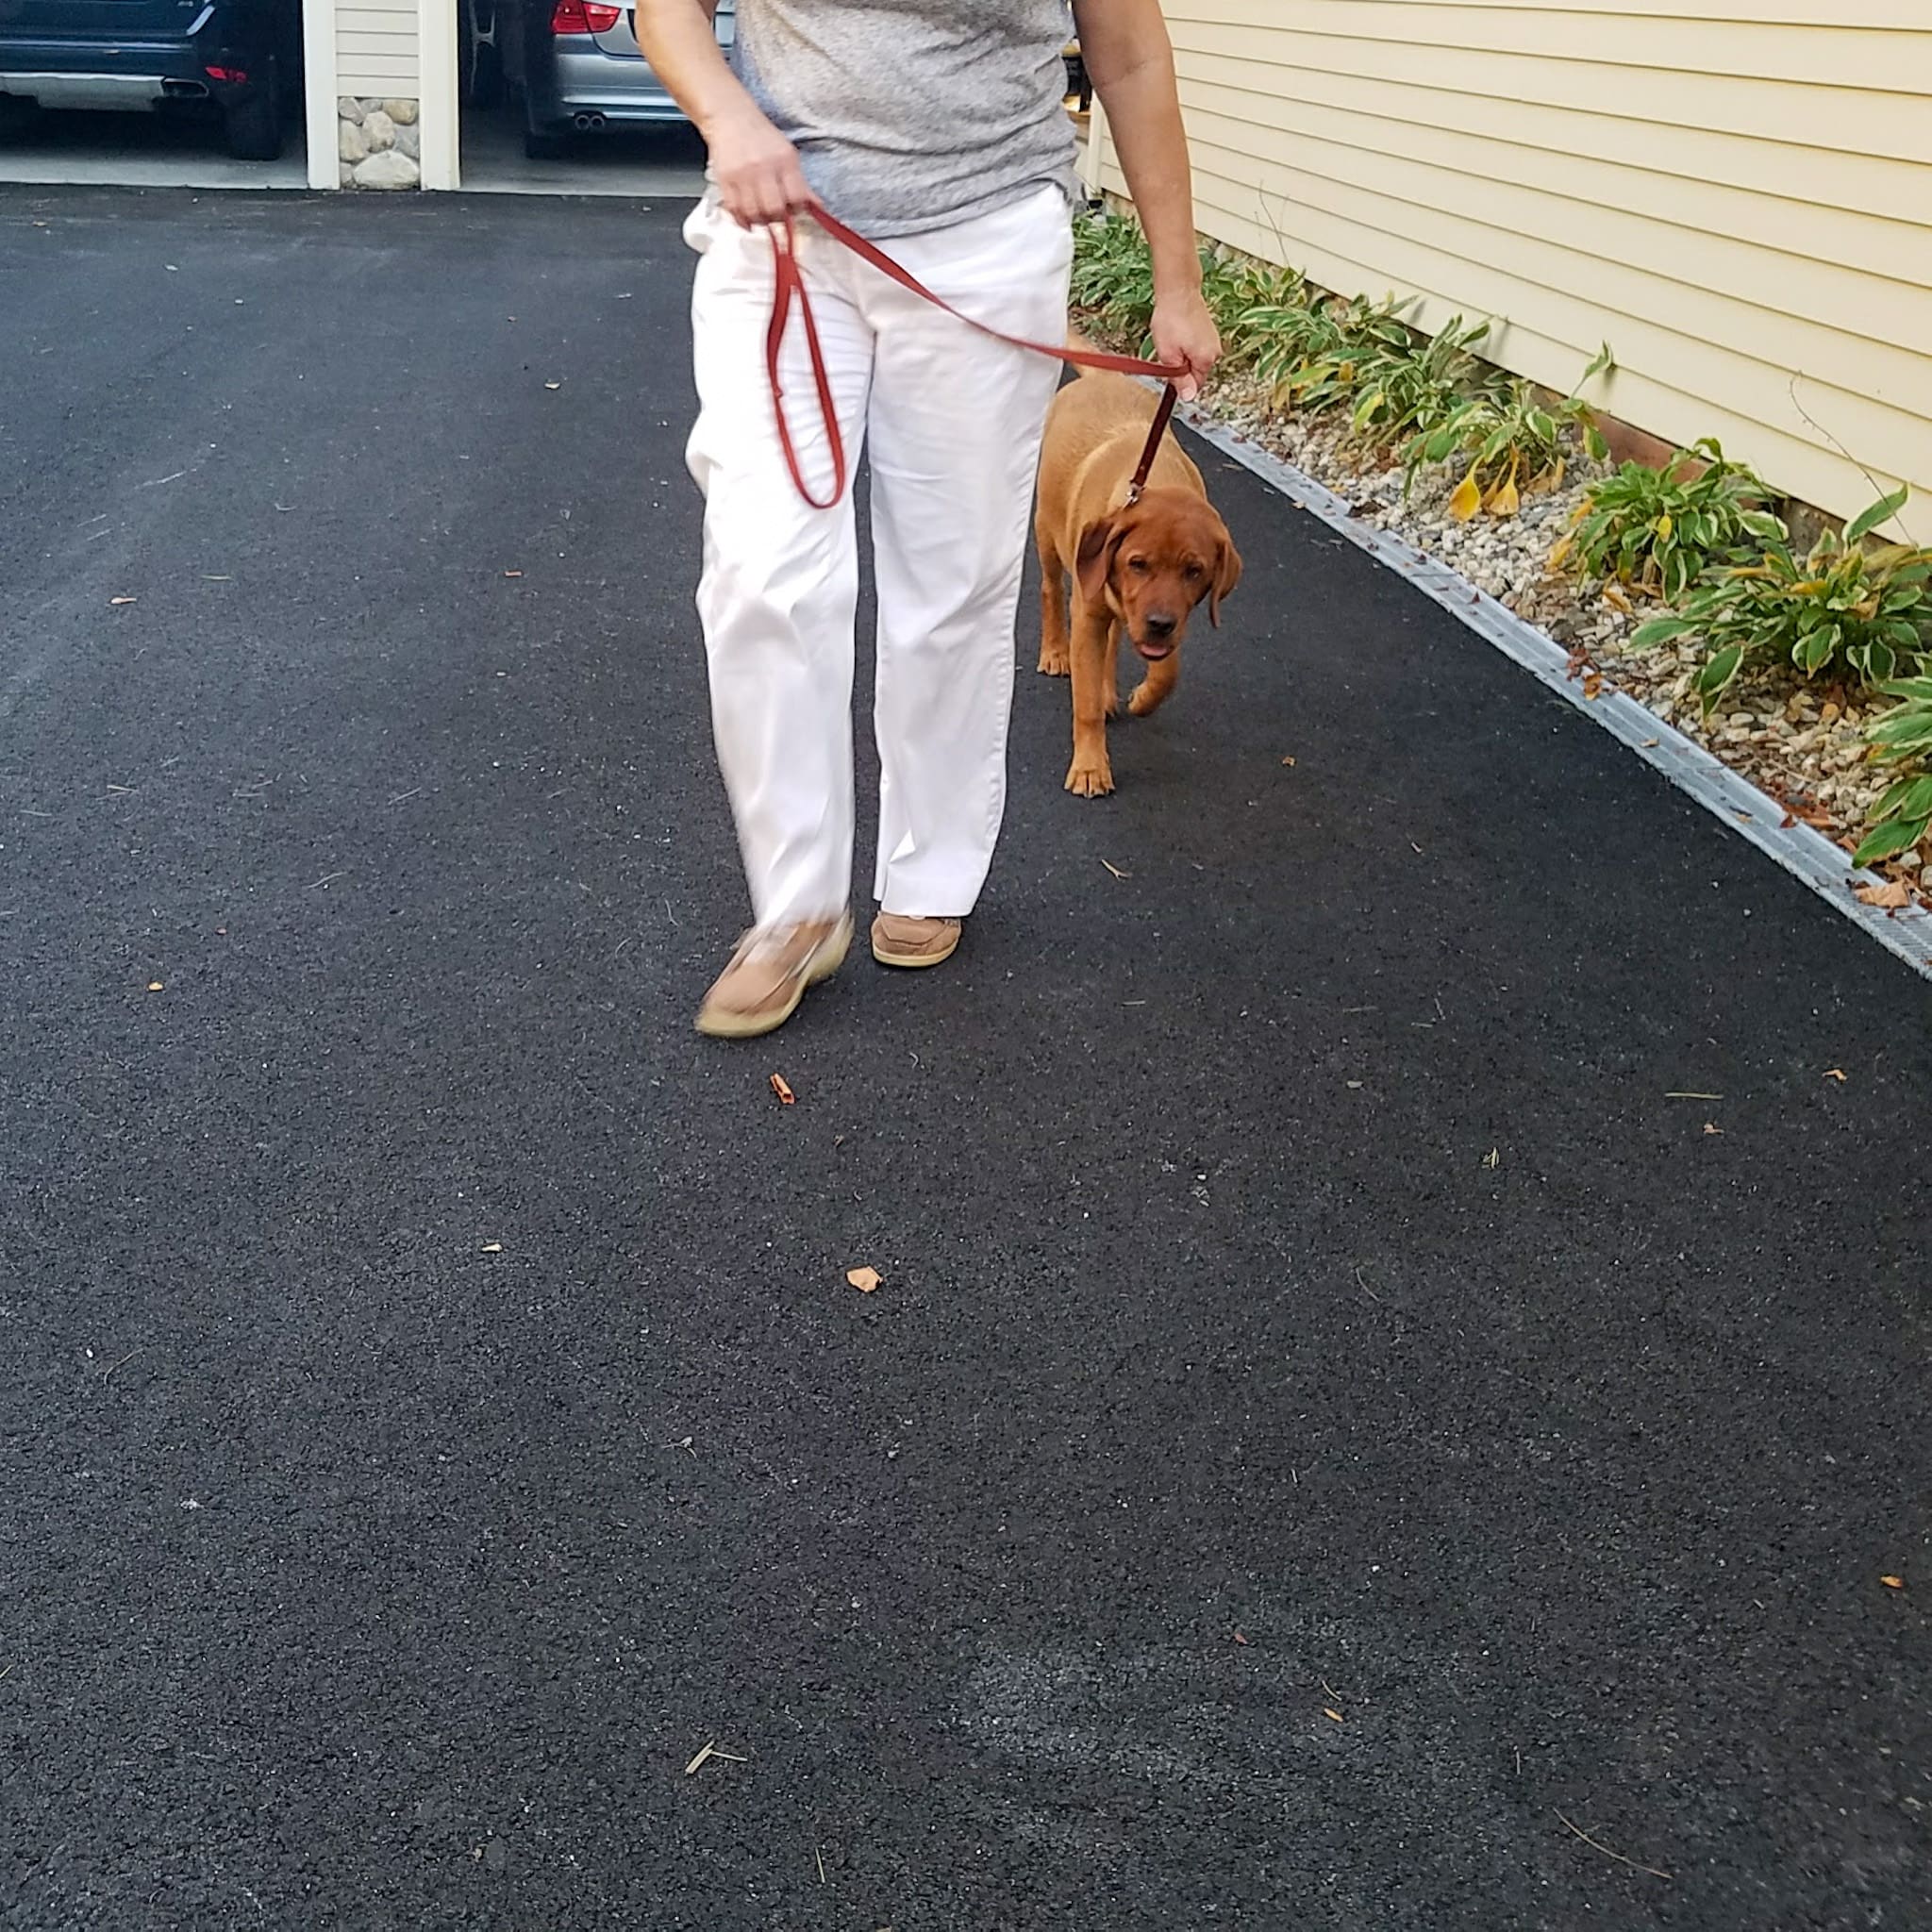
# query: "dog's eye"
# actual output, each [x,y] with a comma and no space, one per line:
[1138,565]
[1194,571]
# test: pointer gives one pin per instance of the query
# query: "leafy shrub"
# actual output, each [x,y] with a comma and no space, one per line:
[1308,354]
[1662,531]
[1901,736]
[1113,284]
[1113,275]
[1403,388]
[1513,443]
[1839,610]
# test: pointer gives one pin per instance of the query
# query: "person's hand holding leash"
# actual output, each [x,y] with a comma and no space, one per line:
[758,176]
[1185,336]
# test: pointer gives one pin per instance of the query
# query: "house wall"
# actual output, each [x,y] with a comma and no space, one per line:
[367,83]
[376,48]
[1739,202]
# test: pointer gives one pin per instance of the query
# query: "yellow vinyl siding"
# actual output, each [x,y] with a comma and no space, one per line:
[1739,202]
[375,49]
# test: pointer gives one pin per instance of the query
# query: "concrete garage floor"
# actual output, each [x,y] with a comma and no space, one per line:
[1339,1447]
[136,151]
[661,162]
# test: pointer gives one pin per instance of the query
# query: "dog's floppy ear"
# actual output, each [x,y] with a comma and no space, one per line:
[1093,563]
[1227,574]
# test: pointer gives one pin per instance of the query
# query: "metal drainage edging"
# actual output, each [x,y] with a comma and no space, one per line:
[1803,851]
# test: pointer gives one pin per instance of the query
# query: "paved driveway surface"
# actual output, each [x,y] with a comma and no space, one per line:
[1333,1428]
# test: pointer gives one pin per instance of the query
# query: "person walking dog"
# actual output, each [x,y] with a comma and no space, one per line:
[935,128]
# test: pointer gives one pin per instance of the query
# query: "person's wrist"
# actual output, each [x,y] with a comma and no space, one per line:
[724,119]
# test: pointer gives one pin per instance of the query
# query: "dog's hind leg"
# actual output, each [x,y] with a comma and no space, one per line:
[1156,689]
[1052,604]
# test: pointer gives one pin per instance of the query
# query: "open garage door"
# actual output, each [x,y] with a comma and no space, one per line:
[151,91]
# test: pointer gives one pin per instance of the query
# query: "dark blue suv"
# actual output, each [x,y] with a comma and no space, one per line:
[238,58]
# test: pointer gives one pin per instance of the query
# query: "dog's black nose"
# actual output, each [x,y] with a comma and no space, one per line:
[1158,625]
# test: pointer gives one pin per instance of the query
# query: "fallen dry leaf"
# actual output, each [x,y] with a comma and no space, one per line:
[1240,1639]
[1892,1582]
[782,1088]
[122,600]
[1287,761]
[1710,1128]
[1592,684]
[154,986]
[1330,1710]
[1893,894]
[1651,743]
[512,573]
[1837,1073]
[864,1279]
[1616,599]
[1493,1158]
[491,1248]
[553,385]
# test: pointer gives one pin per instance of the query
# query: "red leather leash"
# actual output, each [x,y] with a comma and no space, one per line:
[789,288]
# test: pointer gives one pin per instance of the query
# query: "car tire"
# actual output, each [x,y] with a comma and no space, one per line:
[253,127]
[545,144]
[480,82]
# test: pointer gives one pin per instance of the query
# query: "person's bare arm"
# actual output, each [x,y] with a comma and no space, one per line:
[756,168]
[1130,62]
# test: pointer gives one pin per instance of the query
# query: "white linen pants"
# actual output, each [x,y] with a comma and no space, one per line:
[952,423]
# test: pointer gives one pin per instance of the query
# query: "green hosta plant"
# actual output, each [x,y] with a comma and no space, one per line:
[1902,736]
[1113,275]
[1311,355]
[1512,442]
[1661,530]
[1839,610]
[1404,388]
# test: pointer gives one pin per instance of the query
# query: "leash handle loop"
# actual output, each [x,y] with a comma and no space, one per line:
[789,290]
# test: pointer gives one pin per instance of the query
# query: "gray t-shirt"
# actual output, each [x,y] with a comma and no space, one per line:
[914,114]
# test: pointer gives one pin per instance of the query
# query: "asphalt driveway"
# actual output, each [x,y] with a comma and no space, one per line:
[1340,1441]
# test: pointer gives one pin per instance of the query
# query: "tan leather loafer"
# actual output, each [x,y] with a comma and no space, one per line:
[897,940]
[768,976]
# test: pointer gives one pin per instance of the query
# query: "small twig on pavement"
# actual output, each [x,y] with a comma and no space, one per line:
[820,1856]
[1604,1849]
[1366,1288]
[121,1364]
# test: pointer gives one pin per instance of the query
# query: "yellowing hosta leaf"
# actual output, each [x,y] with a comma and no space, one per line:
[1467,500]
[1664,527]
[1504,500]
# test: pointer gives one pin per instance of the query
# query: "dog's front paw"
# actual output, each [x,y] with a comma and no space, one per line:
[1053,663]
[1145,699]
[1089,779]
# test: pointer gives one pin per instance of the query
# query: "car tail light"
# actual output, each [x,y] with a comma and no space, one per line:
[583,17]
[236,75]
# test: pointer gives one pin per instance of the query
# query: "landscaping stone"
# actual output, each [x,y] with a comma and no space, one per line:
[388,169]
[378,130]
[352,144]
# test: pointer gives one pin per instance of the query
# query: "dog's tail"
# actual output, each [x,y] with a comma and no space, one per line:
[1076,340]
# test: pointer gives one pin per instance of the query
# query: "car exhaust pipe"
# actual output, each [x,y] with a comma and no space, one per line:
[185,90]
[586,124]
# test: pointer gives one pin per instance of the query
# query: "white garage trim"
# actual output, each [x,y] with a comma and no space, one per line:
[319,93]
[439,111]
